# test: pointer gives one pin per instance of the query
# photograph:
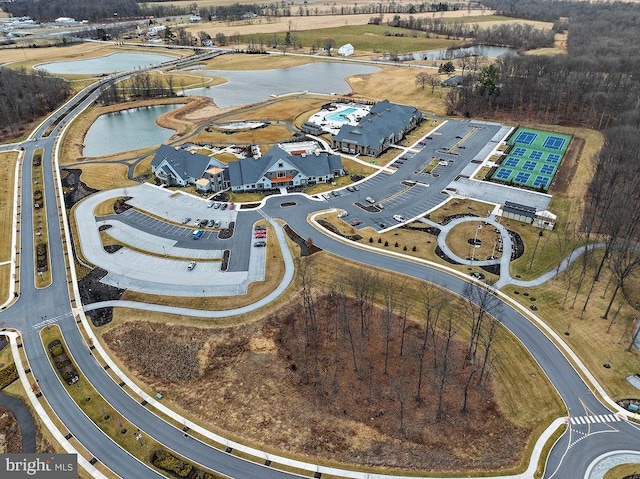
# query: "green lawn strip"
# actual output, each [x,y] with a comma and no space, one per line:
[114,425]
[7,187]
[374,38]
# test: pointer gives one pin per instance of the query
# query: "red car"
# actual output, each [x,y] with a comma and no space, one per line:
[355,222]
[260,234]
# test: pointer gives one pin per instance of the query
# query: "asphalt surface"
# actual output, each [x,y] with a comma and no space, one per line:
[25,421]
[568,458]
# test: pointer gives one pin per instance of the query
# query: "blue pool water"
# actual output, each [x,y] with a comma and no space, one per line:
[338,116]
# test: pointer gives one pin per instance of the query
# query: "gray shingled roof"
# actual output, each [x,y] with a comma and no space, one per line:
[249,171]
[184,163]
[383,119]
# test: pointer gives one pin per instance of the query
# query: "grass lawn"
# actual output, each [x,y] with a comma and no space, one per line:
[105,176]
[528,399]
[119,429]
[7,187]
[458,240]
[366,38]
[588,336]
[623,470]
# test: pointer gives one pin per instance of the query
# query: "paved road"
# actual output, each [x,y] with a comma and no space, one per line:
[25,421]
[572,453]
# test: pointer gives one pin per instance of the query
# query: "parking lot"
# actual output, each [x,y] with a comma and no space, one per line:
[410,191]
[171,246]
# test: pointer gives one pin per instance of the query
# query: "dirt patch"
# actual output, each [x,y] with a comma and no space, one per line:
[10,437]
[291,384]
[564,177]
[93,291]
[74,190]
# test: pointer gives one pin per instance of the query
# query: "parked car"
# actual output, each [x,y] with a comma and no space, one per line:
[197,234]
[224,206]
[186,220]
[216,206]
[380,206]
[210,223]
[342,214]
[216,224]
[260,234]
[350,188]
[477,275]
[370,200]
[399,218]
[191,265]
[260,228]
[210,205]
[355,222]
[203,222]
[197,222]
[260,244]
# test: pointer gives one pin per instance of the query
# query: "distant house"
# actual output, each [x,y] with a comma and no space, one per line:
[195,18]
[346,50]
[174,166]
[277,168]
[386,123]
[455,80]
[65,20]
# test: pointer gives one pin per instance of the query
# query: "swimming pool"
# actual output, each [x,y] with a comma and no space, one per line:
[339,116]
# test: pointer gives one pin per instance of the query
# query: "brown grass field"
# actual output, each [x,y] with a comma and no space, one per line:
[513,390]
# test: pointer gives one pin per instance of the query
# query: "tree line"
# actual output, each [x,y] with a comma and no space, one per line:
[141,86]
[596,84]
[523,36]
[26,96]
[48,10]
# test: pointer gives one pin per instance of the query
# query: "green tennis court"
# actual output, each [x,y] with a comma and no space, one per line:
[533,159]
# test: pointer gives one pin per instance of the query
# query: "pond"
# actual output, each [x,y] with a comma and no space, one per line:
[115,62]
[126,130]
[247,87]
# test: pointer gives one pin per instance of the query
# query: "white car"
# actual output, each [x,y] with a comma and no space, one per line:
[342,214]
[399,218]
[191,265]
[370,200]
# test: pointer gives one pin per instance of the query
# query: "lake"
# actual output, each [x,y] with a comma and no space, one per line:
[247,87]
[126,130]
[115,62]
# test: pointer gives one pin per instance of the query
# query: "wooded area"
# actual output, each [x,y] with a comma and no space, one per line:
[48,10]
[595,85]
[26,96]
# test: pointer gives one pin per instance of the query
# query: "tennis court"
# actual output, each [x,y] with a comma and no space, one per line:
[533,159]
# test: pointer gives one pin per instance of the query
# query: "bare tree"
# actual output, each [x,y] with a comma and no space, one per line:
[624,259]
[442,371]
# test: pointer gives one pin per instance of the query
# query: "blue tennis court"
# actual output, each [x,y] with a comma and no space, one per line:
[553,158]
[547,169]
[519,151]
[529,165]
[554,143]
[526,137]
[503,173]
[535,154]
[511,162]
[540,181]
[522,177]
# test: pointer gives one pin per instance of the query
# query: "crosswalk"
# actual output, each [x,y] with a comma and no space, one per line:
[593,419]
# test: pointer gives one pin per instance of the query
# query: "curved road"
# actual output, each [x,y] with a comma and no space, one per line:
[574,451]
